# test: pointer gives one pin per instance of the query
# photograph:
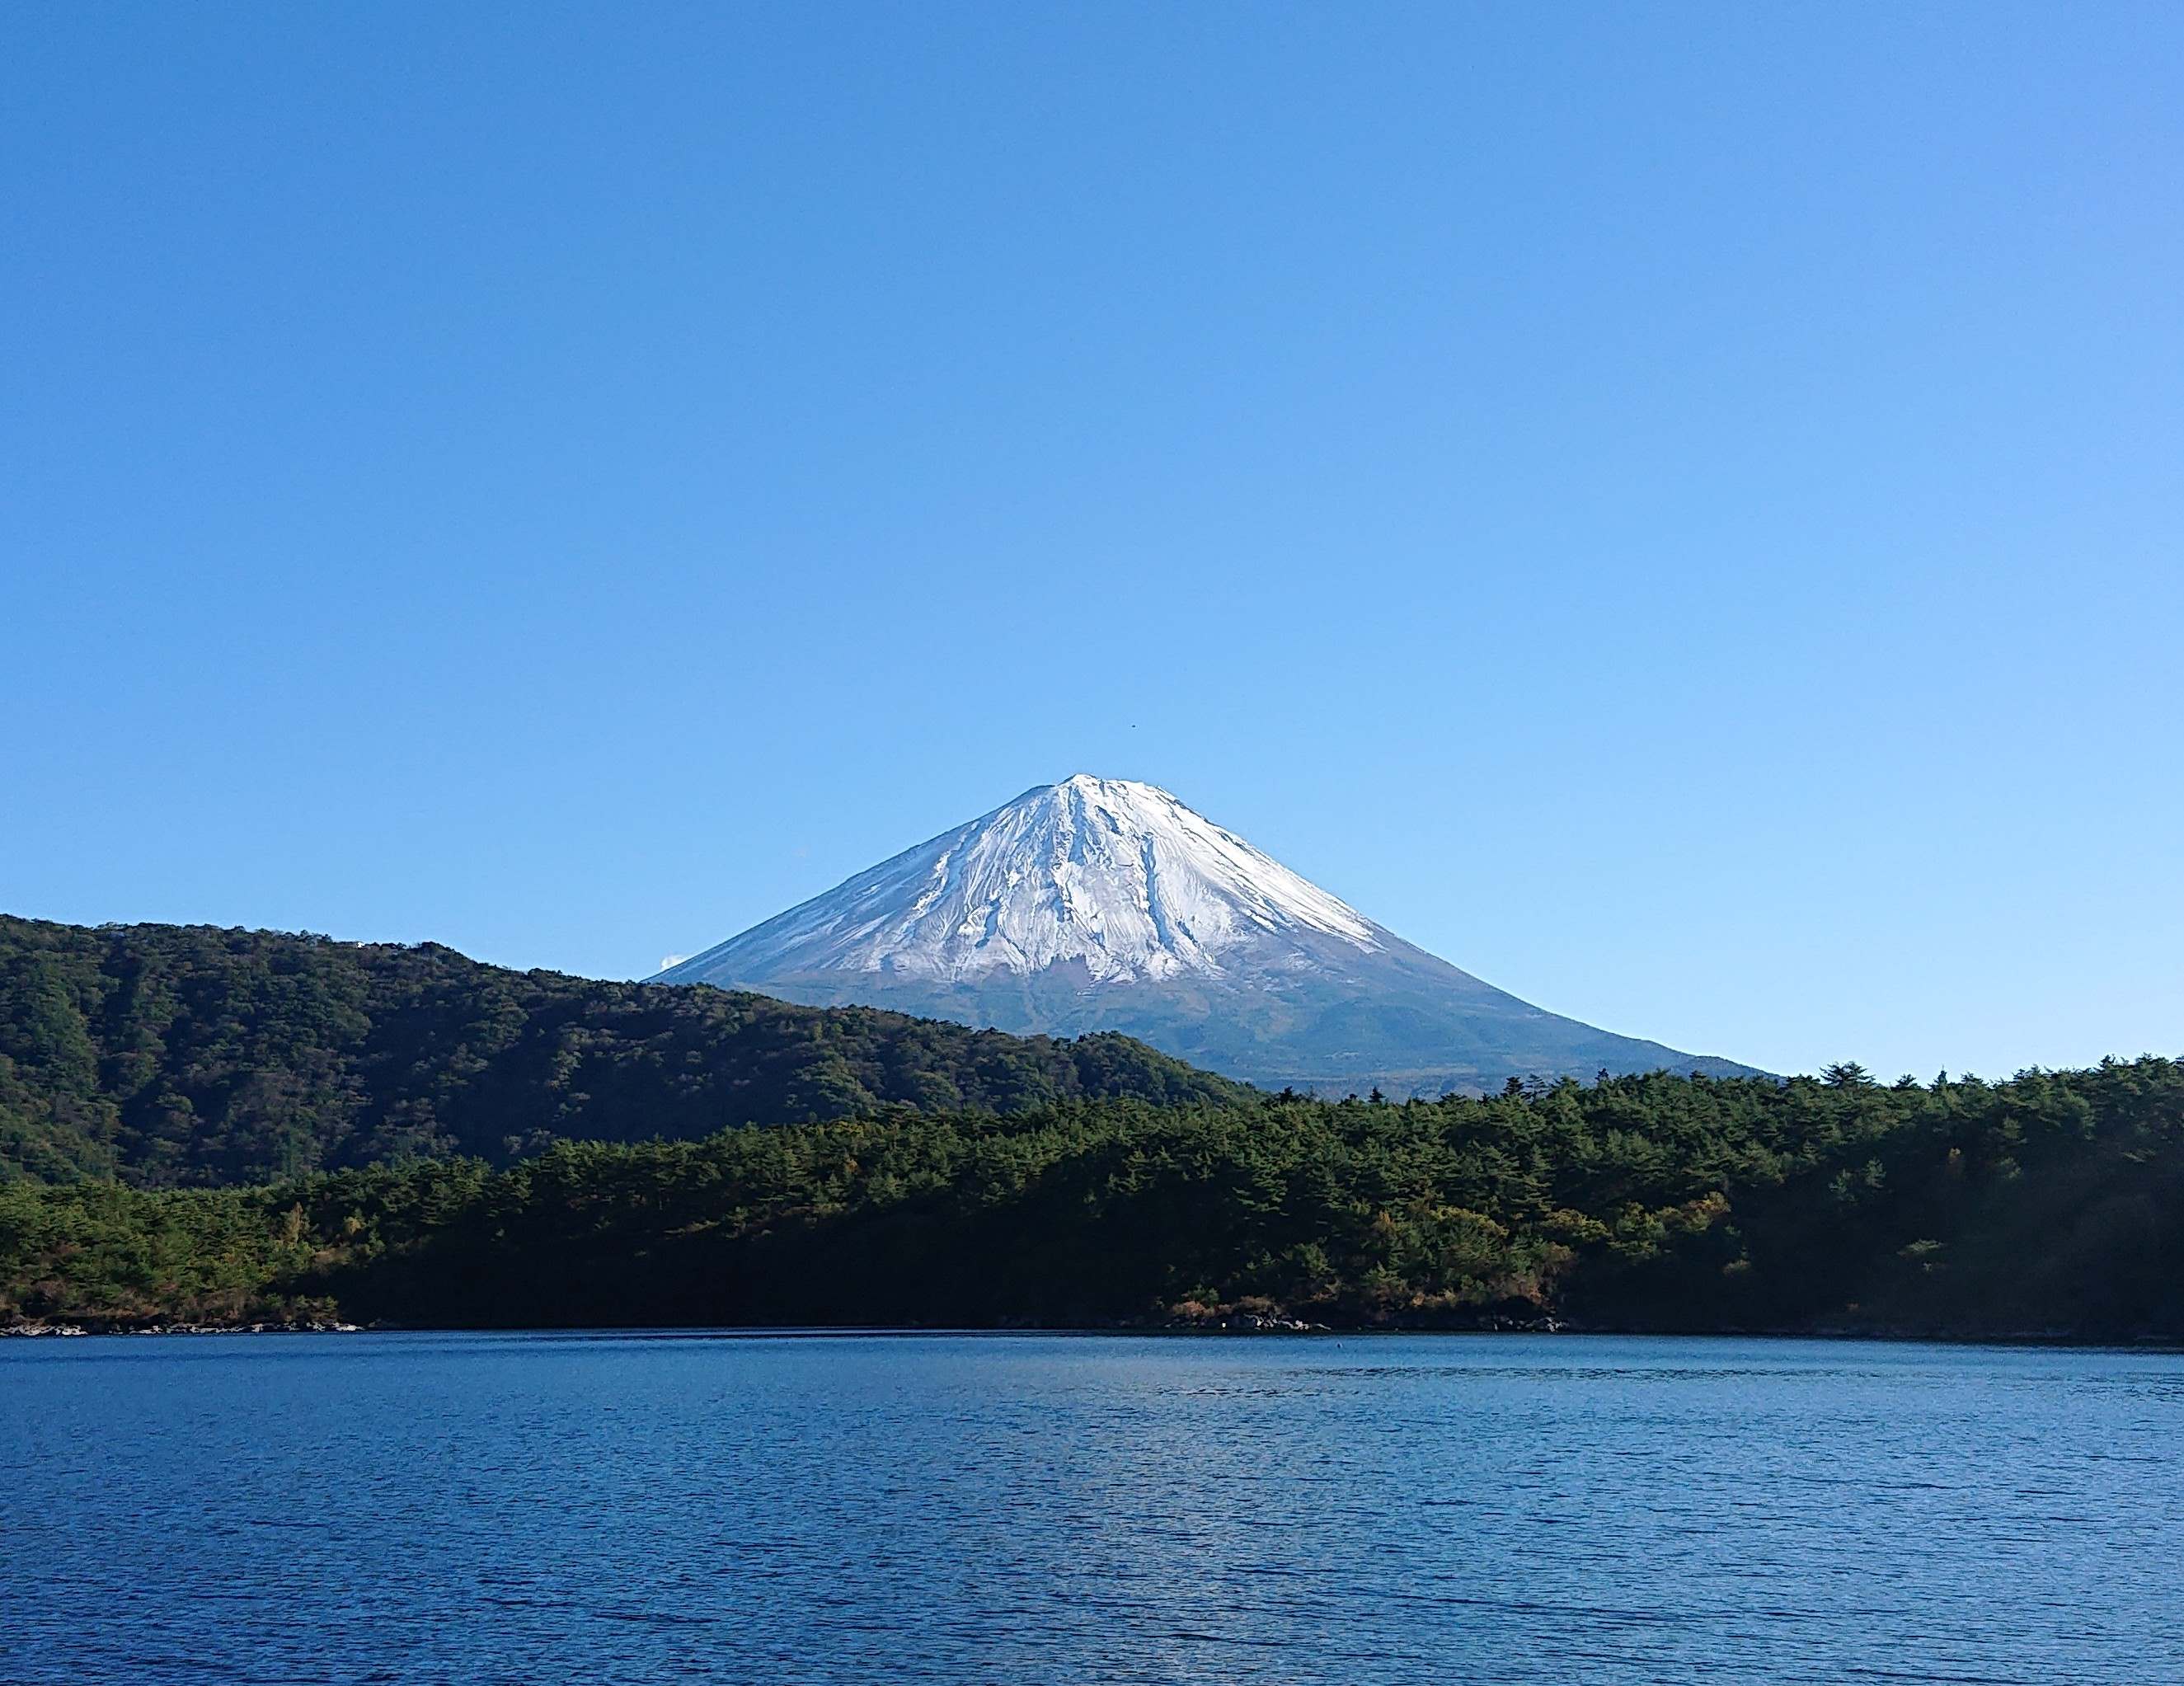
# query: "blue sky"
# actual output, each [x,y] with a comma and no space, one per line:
[1677,509]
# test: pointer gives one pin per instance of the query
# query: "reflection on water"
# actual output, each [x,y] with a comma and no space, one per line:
[1047,1508]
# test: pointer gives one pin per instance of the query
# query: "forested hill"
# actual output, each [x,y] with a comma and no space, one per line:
[2050,1204]
[172,1055]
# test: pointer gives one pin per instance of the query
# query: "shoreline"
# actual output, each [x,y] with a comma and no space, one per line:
[72,1331]
[1260,1326]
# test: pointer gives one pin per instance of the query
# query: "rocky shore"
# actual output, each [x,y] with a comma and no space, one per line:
[33,1330]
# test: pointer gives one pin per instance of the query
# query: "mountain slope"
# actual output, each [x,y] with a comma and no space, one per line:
[184,1055]
[1107,904]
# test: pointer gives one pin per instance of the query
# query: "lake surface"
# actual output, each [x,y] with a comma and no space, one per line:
[656,1509]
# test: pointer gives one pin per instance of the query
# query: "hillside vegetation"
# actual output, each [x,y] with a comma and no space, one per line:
[179,1056]
[2052,1203]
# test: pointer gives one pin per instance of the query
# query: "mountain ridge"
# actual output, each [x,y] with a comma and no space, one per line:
[1098,903]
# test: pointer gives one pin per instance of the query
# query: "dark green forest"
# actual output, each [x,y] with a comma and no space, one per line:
[2051,1205]
[164,1055]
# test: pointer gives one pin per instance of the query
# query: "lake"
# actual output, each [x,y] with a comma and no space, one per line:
[1045,1508]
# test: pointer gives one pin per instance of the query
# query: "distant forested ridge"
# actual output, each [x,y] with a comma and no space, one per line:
[182,1055]
[2052,1203]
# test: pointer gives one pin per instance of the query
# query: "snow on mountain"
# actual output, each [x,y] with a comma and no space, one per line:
[1117,875]
[1105,904]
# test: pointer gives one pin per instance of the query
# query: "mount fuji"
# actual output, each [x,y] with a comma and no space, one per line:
[1104,904]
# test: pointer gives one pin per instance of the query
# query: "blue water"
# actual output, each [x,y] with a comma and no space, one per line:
[485,1508]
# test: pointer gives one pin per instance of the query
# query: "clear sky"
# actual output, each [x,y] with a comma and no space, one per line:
[1678,510]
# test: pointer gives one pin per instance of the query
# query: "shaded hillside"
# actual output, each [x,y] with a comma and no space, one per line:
[186,1055]
[2050,1204]
[1404,1022]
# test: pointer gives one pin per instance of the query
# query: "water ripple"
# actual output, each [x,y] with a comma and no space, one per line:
[639,1509]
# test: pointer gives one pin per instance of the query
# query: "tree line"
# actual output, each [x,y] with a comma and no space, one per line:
[2052,1203]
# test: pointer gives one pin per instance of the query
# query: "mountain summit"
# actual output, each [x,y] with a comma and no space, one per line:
[1107,904]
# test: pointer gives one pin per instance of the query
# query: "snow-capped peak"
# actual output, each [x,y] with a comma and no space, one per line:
[1106,904]
[1110,873]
